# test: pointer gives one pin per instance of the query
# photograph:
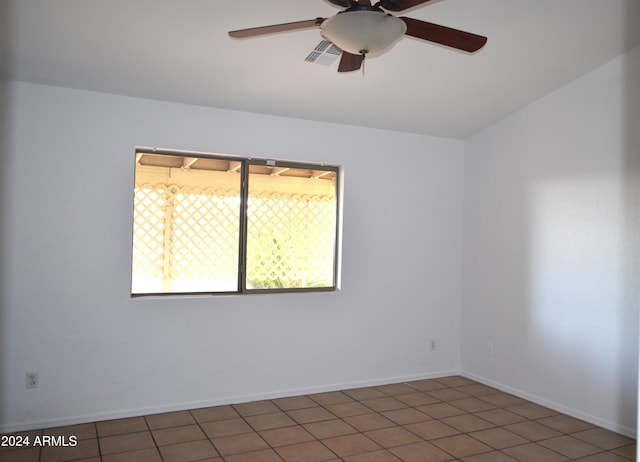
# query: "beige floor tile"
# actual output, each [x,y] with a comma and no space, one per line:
[426,385]
[532,431]
[237,444]
[20,455]
[499,438]
[141,455]
[431,429]
[331,397]
[395,389]
[406,416]
[384,404]
[121,426]
[472,404]
[416,399]
[377,456]
[313,451]
[602,438]
[286,436]
[311,414]
[83,450]
[533,452]
[570,447]
[269,421]
[467,423]
[532,411]
[628,452]
[81,431]
[213,414]
[188,452]
[264,455]
[477,389]
[214,459]
[447,394]
[603,457]
[440,410]
[350,445]
[455,381]
[175,435]
[126,442]
[493,456]
[348,409]
[360,394]
[421,452]
[369,422]
[565,424]
[256,408]
[329,428]
[502,399]
[461,445]
[393,436]
[295,402]
[220,428]
[169,419]
[500,417]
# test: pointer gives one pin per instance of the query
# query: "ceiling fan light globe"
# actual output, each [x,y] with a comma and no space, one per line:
[358,32]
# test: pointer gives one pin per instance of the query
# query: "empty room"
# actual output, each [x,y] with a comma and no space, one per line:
[319,231]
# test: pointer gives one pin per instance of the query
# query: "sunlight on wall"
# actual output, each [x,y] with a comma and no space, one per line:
[577,273]
[577,251]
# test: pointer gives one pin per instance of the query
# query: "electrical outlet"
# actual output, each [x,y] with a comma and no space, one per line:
[489,349]
[432,344]
[32,380]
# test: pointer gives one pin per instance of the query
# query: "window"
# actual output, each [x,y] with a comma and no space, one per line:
[220,224]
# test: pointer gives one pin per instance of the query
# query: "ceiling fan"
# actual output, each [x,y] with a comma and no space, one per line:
[363,29]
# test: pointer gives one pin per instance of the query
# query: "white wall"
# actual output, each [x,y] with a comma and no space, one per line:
[66,311]
[551,248]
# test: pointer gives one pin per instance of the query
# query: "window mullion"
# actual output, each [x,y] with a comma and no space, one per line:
[242,251]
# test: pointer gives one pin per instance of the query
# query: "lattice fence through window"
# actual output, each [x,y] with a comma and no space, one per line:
[291,240]
[196,239]
[186,238]
[148,238]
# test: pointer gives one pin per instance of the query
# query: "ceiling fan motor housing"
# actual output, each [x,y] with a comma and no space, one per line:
[360,30]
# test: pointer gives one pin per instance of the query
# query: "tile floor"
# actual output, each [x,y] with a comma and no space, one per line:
[437,420]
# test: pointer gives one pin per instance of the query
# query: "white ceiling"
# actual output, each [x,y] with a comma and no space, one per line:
[179,50]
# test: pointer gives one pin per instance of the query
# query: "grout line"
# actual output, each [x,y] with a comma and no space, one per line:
[153,438]
[95,427]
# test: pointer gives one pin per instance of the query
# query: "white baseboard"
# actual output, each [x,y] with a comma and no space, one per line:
[624,430]
[237,399]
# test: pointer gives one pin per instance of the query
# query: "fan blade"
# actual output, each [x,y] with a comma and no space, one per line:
[264,30]
[350,3]
[350,62]
[453,38]
[400,5]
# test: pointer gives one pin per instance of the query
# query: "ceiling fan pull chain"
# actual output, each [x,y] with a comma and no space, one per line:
[364,55]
